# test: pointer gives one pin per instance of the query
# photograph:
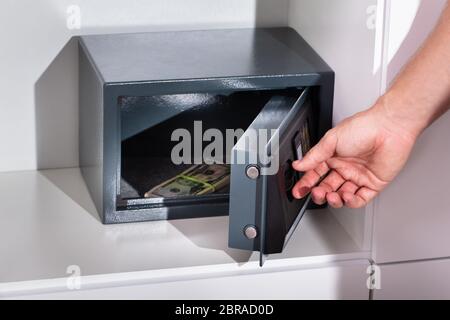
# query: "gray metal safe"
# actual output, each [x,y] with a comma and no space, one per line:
[137,89]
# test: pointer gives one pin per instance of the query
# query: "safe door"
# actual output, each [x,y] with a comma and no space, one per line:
[263,212]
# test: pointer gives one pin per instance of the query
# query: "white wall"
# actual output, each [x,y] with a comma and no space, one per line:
[339,32]
[38,106]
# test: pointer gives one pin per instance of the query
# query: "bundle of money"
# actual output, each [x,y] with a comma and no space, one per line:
[197,180]
[305,139]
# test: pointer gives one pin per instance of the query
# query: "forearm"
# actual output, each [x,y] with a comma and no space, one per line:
[421,93]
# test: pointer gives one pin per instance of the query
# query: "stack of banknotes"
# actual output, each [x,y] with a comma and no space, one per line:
[197,180]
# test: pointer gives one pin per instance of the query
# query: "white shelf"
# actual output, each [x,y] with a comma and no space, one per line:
[48,222]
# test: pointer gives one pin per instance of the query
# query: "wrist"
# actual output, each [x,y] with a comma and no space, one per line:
[400,114]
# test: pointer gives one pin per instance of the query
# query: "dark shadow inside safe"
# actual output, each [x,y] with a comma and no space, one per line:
[148,169]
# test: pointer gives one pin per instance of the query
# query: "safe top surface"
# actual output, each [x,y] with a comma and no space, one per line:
[233,53]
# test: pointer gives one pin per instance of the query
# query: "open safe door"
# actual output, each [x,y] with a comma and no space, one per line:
[263,212]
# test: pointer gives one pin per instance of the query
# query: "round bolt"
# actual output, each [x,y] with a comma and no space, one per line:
[252,172]
[250,232]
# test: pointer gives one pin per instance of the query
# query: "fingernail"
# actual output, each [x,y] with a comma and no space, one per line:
[303,191]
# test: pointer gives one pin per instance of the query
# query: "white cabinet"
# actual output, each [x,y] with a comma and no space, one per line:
[346,280]
[412,216]
[53,223]
[412,219]
[414,280]
[52,238]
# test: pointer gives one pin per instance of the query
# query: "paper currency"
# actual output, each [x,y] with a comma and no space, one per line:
[197,180]
[305,139]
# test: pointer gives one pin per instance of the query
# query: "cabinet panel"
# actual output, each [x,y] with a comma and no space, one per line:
[340,281]
[412,216]
[415,280]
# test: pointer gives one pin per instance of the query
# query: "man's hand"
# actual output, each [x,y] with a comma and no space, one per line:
[364,153]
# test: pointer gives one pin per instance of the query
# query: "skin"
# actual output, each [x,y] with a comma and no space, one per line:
[365,152]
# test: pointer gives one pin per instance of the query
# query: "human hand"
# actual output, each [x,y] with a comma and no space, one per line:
[364,154]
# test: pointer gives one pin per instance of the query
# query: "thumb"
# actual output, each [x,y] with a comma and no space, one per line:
[321,152]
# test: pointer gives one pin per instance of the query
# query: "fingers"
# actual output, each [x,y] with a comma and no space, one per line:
[334,190]
[323,151]
[348,187]
[348,195]
[355,172]
[335,200]
[309,180]
[330,184]
[362,197]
